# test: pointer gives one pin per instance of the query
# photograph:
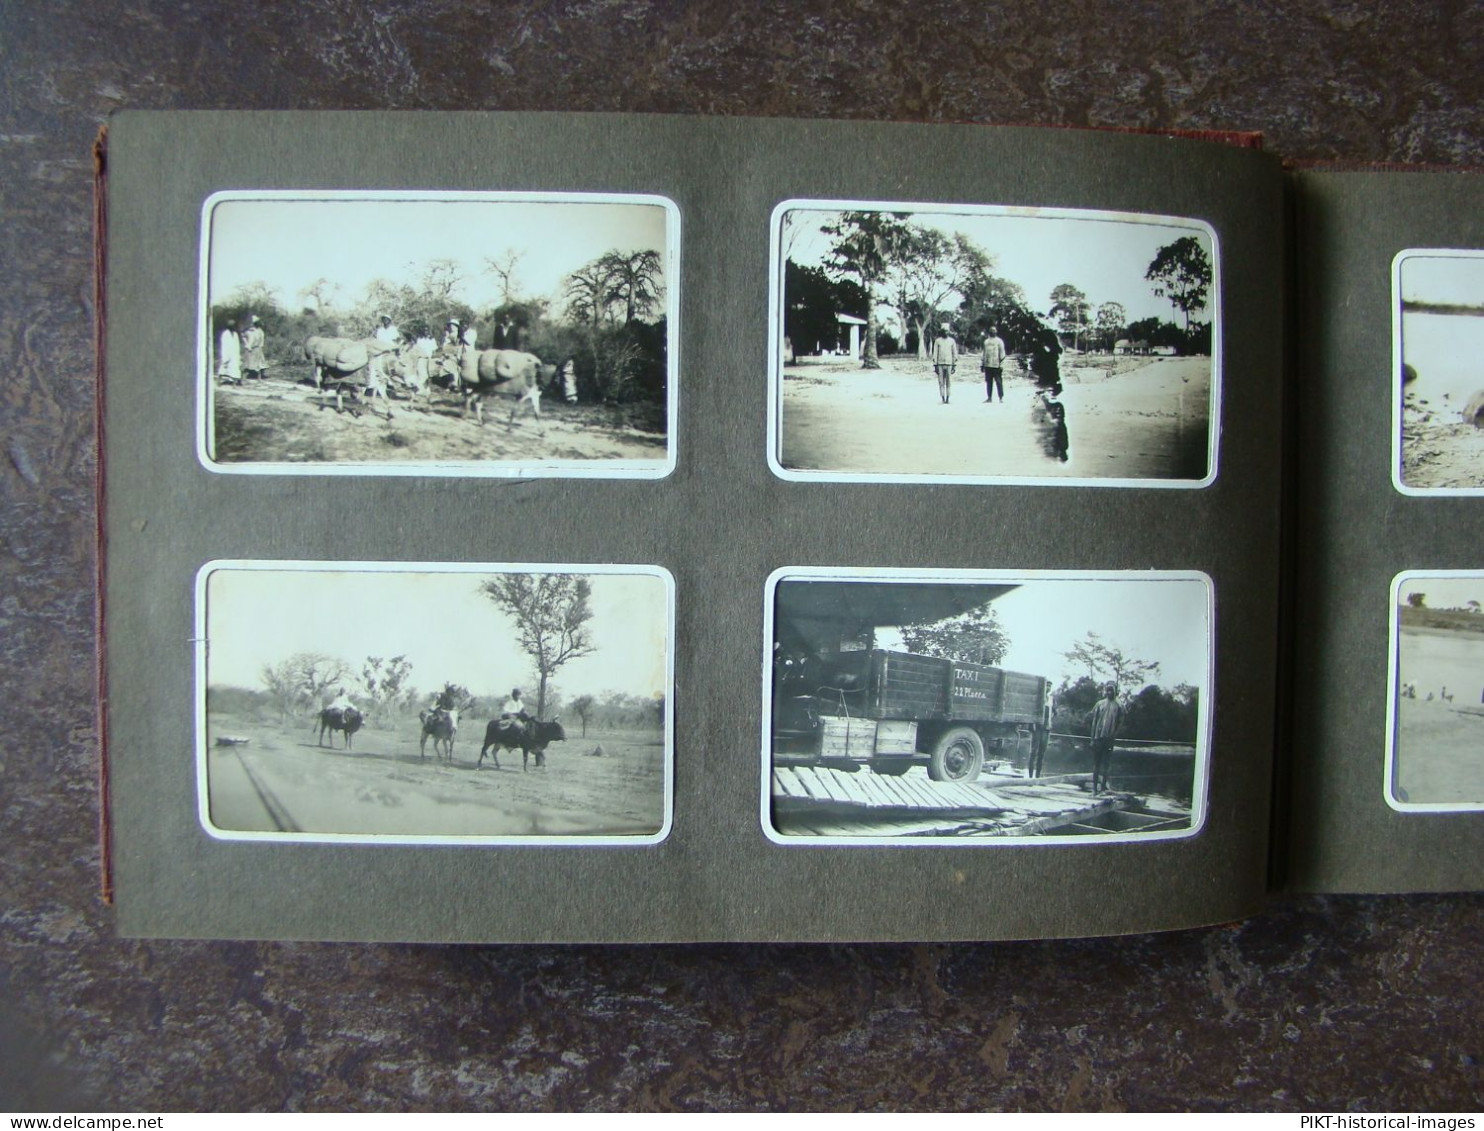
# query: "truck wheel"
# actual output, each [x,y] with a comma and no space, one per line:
[957,756]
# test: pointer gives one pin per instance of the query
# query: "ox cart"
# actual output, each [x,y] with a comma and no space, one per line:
[890,711]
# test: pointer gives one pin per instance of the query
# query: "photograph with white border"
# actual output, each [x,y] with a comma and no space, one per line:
[1437,338]
[935,707]
[960,343]
[1435,706]
[404,703]
[455,333]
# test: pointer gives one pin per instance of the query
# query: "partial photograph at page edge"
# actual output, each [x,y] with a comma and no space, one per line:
[917,708]
[1435,706]
[434,703]
[982,344]
[1437,319]
[447,334]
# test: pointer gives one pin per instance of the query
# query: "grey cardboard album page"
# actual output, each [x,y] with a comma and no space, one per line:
[1387,784]
[598,528]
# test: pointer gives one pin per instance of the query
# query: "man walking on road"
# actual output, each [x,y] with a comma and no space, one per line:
[945,359]
[993,363]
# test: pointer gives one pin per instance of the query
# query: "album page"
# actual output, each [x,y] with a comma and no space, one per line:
[1385,783]
[590,528]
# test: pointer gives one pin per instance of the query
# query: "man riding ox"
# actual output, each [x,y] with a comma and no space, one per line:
[515,728]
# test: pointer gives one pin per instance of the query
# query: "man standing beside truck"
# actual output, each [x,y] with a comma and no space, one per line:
[1103,723]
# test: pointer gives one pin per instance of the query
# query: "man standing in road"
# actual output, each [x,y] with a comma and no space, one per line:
[1103,724]
[945,359]
[993,363]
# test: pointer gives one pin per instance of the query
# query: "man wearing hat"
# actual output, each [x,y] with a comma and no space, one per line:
[945,360]
[387,332]
[254,360]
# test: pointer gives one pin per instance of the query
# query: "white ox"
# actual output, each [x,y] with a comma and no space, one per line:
[505,373]
[350,361]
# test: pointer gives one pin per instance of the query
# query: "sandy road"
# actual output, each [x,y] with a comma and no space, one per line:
[1149,422]
[279,421]
[281,781]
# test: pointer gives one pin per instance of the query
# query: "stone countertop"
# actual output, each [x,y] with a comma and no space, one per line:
[1322,1004]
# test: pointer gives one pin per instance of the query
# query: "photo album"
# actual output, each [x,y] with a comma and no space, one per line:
[556,527]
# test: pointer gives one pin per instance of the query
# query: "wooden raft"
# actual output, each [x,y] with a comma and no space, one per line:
[820,788]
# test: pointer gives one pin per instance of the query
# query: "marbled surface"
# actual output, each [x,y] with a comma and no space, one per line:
[1321,1004]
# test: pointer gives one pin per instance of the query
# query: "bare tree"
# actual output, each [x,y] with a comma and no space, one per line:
[502,267]
[551,614]
[321,293]
[1109,662]
[634,282]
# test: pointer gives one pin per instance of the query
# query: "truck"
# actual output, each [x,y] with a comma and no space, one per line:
[890,711]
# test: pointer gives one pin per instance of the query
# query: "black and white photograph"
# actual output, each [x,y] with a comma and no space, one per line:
[1435,745]
[1437,340]
[438,703]
[921,707]
[982,344]
[446,334]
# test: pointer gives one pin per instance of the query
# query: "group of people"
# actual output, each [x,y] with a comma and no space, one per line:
[241,355]
[512,711]
[1044,362]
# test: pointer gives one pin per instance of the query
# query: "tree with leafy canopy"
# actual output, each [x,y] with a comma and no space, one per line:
[1181,272]
[584,705]
[1111,319]
[1417,600]
[925,271]
[384,680]
[1107,662]
[974,637]
[551,612]
[811,302]
[865,245]
[1070,308]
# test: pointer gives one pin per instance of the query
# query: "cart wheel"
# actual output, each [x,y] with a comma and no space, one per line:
[957,757]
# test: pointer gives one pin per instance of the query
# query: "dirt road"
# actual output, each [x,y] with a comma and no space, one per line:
[280,421]
[281,781]
[1127,418]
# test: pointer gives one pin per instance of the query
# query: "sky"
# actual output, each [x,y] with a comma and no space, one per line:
[1105,259]
[288,244]
[1443,592]
[1160,619]
[1443,279]
[439,621]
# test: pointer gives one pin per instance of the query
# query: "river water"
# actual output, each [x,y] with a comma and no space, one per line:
[1447,351]
[1434,659]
